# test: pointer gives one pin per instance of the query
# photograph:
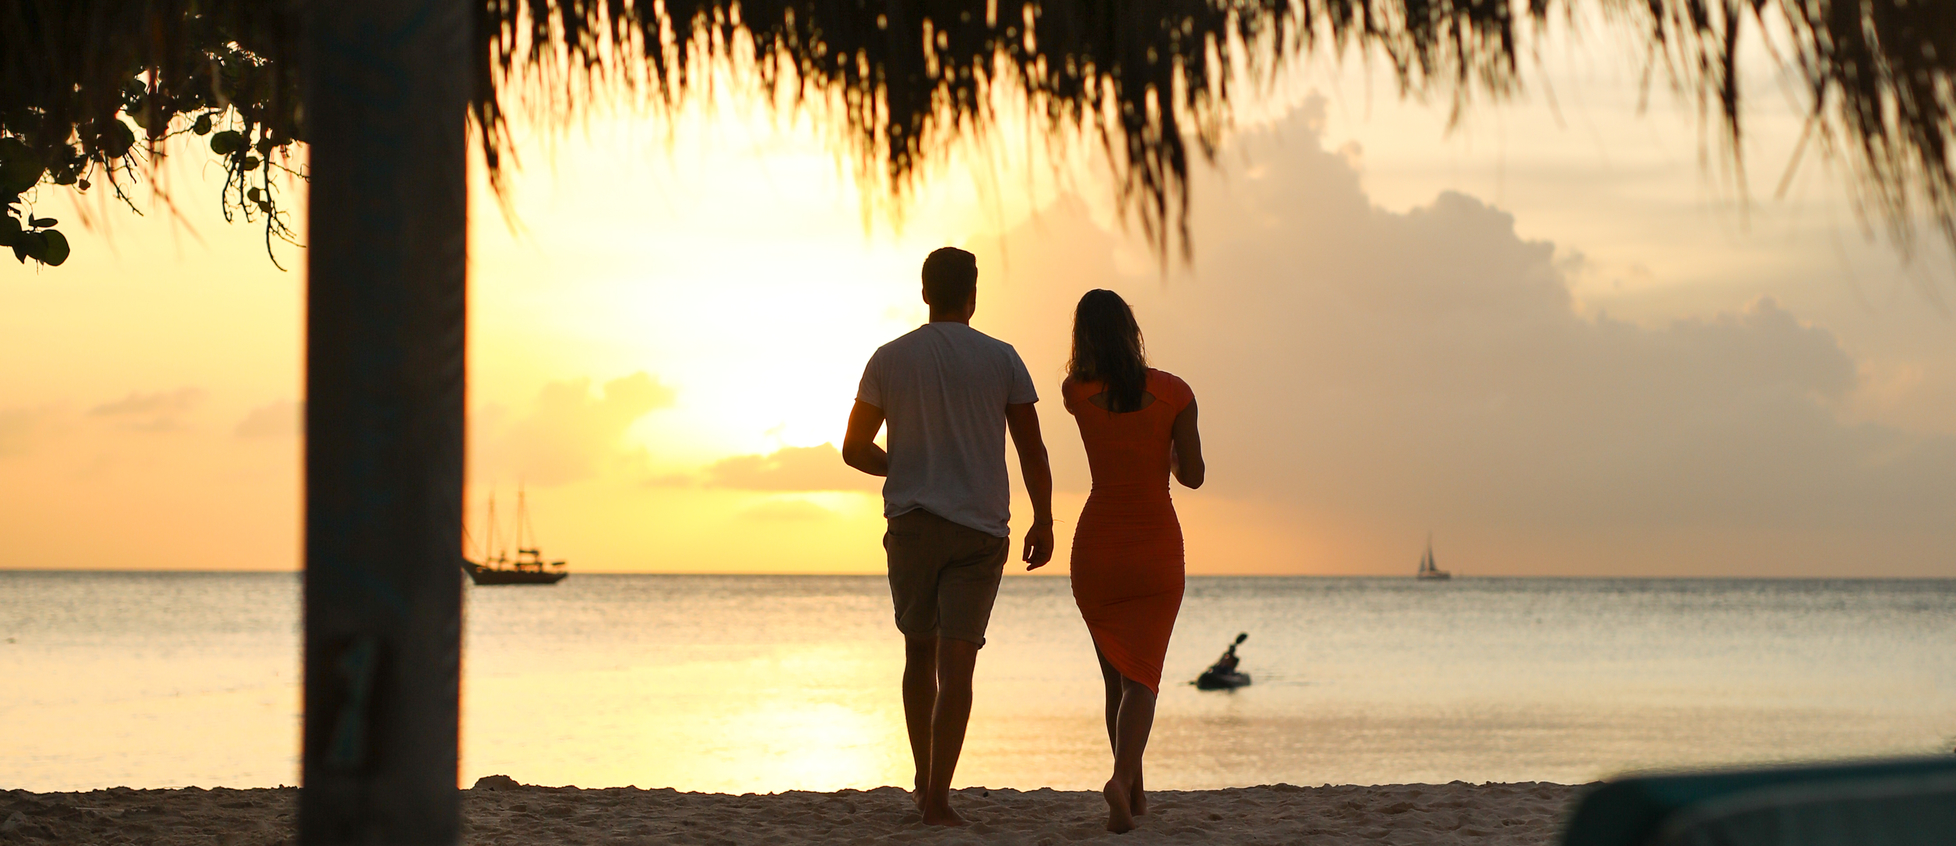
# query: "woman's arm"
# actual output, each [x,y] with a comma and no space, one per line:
[1185,449]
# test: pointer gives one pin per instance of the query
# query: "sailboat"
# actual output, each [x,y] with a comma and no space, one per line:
[1427,570]
[527,568]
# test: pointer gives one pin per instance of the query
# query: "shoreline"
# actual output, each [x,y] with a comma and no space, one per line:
[502,812]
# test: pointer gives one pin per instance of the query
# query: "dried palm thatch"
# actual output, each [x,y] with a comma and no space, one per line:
[1147,78]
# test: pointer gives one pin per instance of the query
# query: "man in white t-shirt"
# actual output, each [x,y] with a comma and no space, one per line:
[949,393]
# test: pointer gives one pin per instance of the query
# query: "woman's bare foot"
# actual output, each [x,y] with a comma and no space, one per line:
[1137,801]
[1120,813]
[940,813]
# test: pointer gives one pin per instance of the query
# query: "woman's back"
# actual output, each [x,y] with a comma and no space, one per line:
[1128,450]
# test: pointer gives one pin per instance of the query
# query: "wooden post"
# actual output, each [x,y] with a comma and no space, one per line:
[386,88]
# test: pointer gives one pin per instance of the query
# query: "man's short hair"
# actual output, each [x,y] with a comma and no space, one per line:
[950,277]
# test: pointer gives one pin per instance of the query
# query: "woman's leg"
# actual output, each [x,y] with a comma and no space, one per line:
[1136,720]
[1110,679]
[1113,684]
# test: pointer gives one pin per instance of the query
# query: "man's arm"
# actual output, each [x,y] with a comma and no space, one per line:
[1023,421]
[859,449]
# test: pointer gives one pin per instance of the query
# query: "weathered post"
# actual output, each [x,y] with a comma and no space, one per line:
[386,87]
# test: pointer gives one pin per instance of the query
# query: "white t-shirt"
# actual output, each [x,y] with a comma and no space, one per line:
[943,389]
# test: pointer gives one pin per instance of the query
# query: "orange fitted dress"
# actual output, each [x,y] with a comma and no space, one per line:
[1127,547]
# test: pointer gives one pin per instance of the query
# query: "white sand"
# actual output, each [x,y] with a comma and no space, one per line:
[499,811]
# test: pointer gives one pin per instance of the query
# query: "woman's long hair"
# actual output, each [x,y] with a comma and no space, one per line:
[1107,348]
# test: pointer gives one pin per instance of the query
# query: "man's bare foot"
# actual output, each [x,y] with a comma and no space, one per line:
[940,813]
[917,795]
[1120,814]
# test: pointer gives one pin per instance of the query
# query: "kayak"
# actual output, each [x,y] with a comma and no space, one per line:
[1212,680]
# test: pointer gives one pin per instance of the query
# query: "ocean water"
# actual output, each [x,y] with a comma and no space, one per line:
[763,683]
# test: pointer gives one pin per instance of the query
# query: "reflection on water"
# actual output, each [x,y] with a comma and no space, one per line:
[742,683]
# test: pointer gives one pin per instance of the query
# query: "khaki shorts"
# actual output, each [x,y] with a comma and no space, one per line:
[943,576]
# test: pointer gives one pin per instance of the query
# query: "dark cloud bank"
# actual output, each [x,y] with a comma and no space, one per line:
[1389,373]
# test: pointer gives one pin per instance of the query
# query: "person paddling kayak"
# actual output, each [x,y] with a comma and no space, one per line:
[1222,675]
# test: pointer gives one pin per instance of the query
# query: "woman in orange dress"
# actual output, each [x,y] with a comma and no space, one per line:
[1138,425]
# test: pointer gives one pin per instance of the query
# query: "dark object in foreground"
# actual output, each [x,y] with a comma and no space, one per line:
[387,83]
[1897,802]
[1222,675]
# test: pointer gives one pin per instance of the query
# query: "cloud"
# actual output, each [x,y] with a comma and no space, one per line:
[1394,371]
[281,419]
[816,468]
[153,412]
[572,432]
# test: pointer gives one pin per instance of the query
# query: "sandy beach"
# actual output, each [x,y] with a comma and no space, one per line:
[500,811]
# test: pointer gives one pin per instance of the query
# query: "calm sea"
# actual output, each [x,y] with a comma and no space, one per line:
[752,683]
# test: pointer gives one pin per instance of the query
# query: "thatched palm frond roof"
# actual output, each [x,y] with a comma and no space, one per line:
[1149,78]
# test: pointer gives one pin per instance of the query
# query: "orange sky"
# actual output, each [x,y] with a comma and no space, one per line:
[1551,337]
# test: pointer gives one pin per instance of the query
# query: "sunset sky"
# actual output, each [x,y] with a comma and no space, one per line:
[1554,335]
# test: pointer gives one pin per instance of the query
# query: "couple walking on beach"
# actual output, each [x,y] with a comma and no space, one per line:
[949,394]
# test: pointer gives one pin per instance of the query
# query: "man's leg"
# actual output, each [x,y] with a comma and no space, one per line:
[955,661]
[919,701]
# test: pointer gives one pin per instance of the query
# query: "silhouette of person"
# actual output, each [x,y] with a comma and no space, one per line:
[1227,663]
[949,394]
[1138,425]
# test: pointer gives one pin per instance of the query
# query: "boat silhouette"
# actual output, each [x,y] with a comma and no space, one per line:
[1223,674]
[1428,572]
[526,568]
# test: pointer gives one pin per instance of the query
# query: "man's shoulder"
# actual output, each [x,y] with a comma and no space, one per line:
[943,334]
[905,339]
[901,345]
[984,341]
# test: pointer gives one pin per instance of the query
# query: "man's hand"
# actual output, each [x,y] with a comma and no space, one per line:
[1039,544]
[1022,420]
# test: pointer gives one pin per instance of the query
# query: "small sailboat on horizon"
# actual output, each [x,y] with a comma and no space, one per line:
[1428,571]
[527,568]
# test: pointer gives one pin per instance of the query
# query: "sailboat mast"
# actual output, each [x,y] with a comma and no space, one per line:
[489,538]
[523,528]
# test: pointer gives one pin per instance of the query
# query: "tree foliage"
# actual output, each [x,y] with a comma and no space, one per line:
[92,90]
[1150,79]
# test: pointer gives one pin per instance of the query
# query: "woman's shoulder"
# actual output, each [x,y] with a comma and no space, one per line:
[1164,383]
[1074,391]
